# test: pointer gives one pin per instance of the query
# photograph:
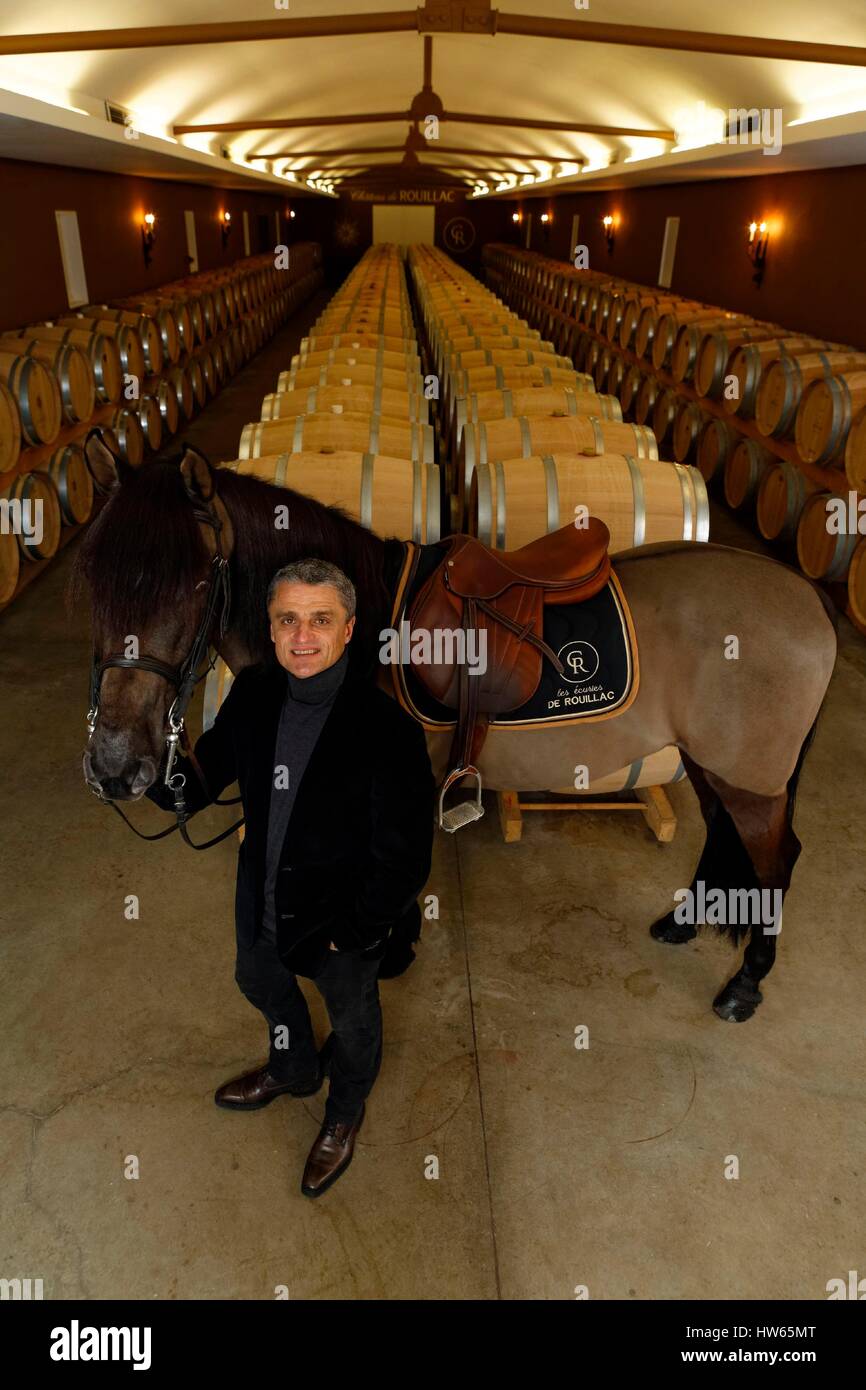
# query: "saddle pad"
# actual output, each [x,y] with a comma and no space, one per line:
[596,644]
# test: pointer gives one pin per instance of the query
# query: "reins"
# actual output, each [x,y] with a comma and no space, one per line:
[184,679]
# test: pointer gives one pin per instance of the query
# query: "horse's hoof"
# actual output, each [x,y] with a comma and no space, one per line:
[674,933]
[737,1002]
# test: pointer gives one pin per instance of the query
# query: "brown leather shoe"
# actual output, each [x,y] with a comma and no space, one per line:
[257,1088]
[330,1155]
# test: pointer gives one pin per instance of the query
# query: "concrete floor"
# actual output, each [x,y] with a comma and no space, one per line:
[557,1168]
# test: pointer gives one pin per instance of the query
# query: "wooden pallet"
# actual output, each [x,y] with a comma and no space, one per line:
[652,802]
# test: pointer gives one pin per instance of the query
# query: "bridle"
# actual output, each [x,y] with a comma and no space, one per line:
[184,678]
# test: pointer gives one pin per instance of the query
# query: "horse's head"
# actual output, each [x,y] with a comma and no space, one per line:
[151,563]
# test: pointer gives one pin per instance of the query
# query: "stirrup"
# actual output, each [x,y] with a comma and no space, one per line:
[466,811]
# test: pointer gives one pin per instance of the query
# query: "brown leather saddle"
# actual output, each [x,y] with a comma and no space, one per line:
[496,599]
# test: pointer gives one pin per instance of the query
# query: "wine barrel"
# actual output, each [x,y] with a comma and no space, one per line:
[162,393]
[101,349]
[640,500]
[616,373]
[714,354]
[824,553]
[36,395]
[126,338]
[361,357]
[183,381]
[387,495]
[782,494]
[71,369]
[670,324]
[357,342]
[163,316]
[505,357]
[644,402]
[372,400]
[665,410]
[10,430]
[362,374]
[144,325]
[204,357]
[824,416]
[629,389]
[687,345]
[38,497]
[533,401]
[68,471]
[150,419]
[747,364]
[688,423]
[10,565]
[126,428]
[857,584]
[329,433]
[491,441]
[641,319]
[657,770]
[786,378]
[855,454]
[716,442]
[745,466]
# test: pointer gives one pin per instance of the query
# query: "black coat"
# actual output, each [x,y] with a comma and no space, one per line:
[359,841]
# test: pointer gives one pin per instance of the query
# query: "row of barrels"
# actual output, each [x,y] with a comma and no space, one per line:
[136,369]
[524,457]
[795,388]
[349,422]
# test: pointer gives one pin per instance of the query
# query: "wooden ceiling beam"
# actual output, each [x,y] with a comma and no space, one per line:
[292,123]
[680,40]
[435,149]
[466,117]
[436,18]
[577,127]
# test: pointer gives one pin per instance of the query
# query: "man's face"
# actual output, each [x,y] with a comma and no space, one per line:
[309,627]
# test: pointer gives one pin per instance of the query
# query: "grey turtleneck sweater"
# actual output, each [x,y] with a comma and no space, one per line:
[305,709]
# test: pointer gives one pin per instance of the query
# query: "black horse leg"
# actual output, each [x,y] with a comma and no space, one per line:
[723,864]
[764,824]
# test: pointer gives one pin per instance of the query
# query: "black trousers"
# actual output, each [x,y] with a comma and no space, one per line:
[348,983]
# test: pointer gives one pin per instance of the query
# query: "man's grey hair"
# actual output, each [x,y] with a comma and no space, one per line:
[316,572]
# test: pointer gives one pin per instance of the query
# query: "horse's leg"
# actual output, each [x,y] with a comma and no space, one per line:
[723,864]
[765,827]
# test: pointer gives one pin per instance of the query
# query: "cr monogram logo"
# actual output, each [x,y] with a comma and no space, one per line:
[580,660]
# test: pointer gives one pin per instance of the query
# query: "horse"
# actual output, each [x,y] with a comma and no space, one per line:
[742,724]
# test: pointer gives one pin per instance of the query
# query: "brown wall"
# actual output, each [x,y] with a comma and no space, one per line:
[815,277]
[345,229]
[109,208]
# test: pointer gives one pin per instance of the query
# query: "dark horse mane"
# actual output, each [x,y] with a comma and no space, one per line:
[145,552]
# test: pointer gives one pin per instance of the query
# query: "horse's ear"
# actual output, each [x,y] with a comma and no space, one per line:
[197,474]
[107,468]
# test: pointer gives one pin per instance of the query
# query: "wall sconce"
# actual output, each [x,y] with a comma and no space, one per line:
[759,236]
[545,217]
[292,212]
[148,235]
[609,232]
[225,227]
[516,217]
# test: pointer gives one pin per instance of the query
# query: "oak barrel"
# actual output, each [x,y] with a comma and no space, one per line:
[855,454]
[785,379]
[639,500]
[10,429]
[70,367]
[390,496]
[857,584]
[745,466]
[716,441]
[10,565]
[322,434]
[782,494]
[824,415]
[823,553]
[68,471]
[37,494]
[36,395]
[320,400]
[533,401]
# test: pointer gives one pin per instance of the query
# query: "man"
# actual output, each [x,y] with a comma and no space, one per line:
[337,791]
